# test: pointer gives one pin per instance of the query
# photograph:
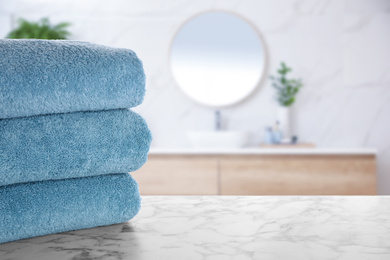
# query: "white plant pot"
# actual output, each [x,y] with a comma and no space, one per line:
[284,122]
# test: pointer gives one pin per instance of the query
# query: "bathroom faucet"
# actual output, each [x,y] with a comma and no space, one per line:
[218,120]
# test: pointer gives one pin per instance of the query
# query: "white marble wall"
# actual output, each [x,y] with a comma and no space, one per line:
[341,49]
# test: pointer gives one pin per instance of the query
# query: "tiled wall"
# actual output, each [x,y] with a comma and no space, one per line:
[341,50]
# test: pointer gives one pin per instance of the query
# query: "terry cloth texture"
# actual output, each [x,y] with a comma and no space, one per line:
[40,208]
[59,76]
[72,145]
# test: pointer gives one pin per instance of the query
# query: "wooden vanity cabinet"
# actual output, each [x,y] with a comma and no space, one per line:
[258,175]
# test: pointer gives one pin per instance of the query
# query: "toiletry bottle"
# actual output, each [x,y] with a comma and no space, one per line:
[277,134]
[268,135]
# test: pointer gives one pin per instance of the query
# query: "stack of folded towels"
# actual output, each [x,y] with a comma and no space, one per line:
[67,138]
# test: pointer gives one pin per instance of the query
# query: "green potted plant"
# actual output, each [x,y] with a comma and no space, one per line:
[39,30]
[286,91]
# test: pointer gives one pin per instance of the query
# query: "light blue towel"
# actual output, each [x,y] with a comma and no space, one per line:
[57,76]
[41,208]
[72,145]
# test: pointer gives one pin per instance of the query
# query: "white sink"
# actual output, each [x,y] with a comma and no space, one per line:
[218,139]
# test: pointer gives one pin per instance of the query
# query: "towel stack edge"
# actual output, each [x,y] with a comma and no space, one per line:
[80,144]
[53,206]
[59,76]
[68,138]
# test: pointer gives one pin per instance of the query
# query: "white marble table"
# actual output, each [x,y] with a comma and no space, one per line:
[235,228]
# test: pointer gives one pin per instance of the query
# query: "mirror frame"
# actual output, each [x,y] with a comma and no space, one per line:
[262,42]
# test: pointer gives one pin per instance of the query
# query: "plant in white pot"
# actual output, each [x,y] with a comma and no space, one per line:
[286,90]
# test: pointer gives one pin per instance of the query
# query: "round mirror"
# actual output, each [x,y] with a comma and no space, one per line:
[217,59]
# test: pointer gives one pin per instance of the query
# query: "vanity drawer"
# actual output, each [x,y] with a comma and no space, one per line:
[178,175]
[298,175]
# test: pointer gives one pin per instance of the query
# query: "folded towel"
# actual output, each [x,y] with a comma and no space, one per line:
[56,76]
[72,145]
[41,208]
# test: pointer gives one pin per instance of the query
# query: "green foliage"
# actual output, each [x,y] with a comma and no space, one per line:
[39,30]
[286,89]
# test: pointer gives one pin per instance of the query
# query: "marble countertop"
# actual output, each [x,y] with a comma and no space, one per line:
[234,228]
[265,151]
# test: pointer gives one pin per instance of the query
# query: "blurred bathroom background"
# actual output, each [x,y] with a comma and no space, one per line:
[339,48]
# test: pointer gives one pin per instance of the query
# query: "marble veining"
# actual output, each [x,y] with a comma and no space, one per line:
[234,228]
